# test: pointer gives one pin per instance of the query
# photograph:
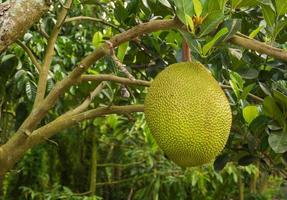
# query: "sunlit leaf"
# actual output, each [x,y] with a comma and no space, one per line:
[250,113]
[197,7]
[97,39]
[256,31]
[122,51]
[281,7]
[207,47]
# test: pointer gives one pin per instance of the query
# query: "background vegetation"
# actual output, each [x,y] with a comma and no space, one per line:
[115,156]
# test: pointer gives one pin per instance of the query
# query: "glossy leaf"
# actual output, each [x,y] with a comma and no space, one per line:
[278,141]
[272,110]
[97,39]
[197,7]
[250,113]
[247,90]
[211,22]
[269,14]
[256,31]
[207,47]
[183,8]
[122,51]
[189,23]
[280,97]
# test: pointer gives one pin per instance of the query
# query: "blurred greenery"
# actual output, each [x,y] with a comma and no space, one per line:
[119,151]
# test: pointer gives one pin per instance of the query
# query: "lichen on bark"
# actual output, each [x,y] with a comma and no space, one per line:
[17,17]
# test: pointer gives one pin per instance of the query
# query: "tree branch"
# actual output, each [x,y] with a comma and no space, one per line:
[42,84]
[19,16]
[78,18]
[66,121]
[257,98]
[110,77]
[14,149]
[35,117]
[89,99]
[260,47]
[30,54]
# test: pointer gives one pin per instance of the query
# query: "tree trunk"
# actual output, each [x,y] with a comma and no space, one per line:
[240,186]
[1,187]
[93,175]
[16,17]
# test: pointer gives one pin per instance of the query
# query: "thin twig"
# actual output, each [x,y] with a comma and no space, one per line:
[89,99]
[257,98]
[110,77]
[78,18]
[30,54]
[119,165]
[118,62]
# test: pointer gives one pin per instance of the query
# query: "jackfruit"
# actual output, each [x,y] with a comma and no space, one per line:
[188,114]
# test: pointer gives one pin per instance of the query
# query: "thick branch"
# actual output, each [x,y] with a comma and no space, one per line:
[17,18]
[12,152]
[260,47]
[38,114]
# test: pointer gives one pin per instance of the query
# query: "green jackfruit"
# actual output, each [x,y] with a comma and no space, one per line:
[188,114]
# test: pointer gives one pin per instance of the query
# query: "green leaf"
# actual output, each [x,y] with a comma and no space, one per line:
[214,5]
[189,23]
[279,27]
[233,26]
[122,51]
[97,39]
[183,8]
[280,97]
[235,88]
[259,124]
[281,7]
[256,31]
[249,73]
[235,3]
[207,47]
[30,90]
[165,3]
[211,22]
[268,14]
[220,162]
[247,3]
[237,78]
[192,43]
[272,110]
[278,142]
[246,90]
[246,160]
[197,7]
[250,113]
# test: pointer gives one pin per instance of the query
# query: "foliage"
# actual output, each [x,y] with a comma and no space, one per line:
[129,163]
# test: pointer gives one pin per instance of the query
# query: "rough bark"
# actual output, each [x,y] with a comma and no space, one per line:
[16,17]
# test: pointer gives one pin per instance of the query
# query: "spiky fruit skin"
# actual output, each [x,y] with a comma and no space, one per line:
[188,114]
